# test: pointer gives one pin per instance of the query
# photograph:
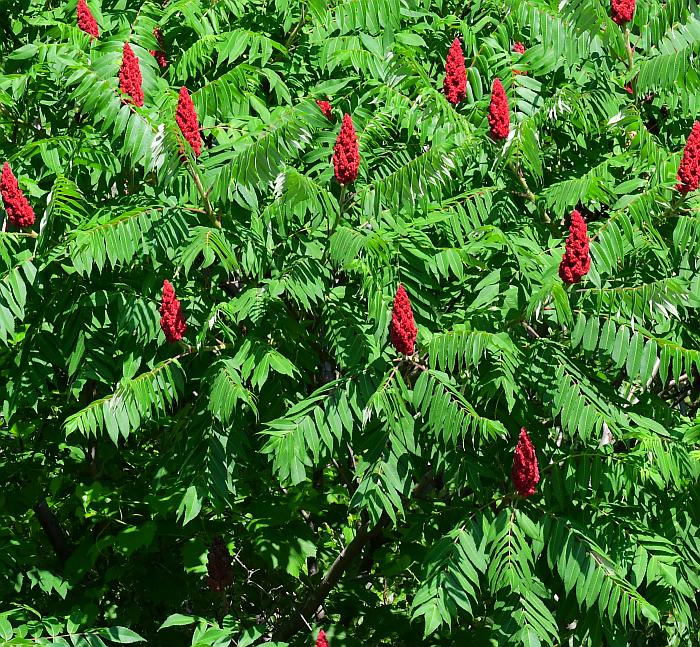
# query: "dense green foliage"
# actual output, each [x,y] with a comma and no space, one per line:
[357,491]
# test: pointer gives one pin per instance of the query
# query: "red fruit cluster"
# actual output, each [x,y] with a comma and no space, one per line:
[19,211]
[159,54]
[186,117]
[219,566]
[689,168]
[172,321]
[499,113]
[518,47]
[86,21]
[525,473]
[455,83]
[576,260]
[321,641]
[622,11]
[346,154]
[402,330]
[130,76]
[325,107]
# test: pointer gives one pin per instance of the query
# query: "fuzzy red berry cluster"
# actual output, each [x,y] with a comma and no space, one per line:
[622,11]
[86,21]
[219,566]
[130,76]
[689,168]
[321,640]
[346,153]
[402,330]
[325,108]
[159,54]
[455,83]
[186,117]
[172,321]
[499,113]
[576,260]
[525,473]
[19,211]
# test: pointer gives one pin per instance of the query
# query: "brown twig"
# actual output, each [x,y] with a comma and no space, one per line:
[335,572]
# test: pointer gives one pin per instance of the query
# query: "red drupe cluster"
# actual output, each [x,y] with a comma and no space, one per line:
[219,566]
[499,113]
[186,117]
[525,473]
[576,260]
[402,330]
[172,322]
[622,11]
[86,21]
[130,76]
[326,109]
[455,83]
[321,641]
[19,211]
[689,168]
[159,54]
[518,47]
[346,153]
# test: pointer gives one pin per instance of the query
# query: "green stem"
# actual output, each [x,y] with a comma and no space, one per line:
[200,188]
[628,47]
[334,226]
[518,172]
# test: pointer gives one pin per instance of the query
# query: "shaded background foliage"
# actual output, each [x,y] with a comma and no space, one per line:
[284,423]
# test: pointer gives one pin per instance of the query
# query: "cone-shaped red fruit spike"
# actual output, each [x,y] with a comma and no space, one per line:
[518,47]
[159,54]
[219,566]
[130,76]
[86,21]
[525,473]
[576,260]
[402,330]
[622,11]
[19,211]
[689,168]
[455,83]
[346,154]
[171,320]
[325,107]
[186,117]
[321,641]
[499,115]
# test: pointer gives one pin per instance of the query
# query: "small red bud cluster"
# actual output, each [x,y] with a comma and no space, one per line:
[86,21]
[130,76]
[519,48]
[219,566]
[402,330]
[499,113]
[525,473]
[326,109]
[159,54]
[19,211]
[321,640]
[689,168]
[576,260]
[172,322]
[346,153]
[455,83]
[622,11]
[186,117]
